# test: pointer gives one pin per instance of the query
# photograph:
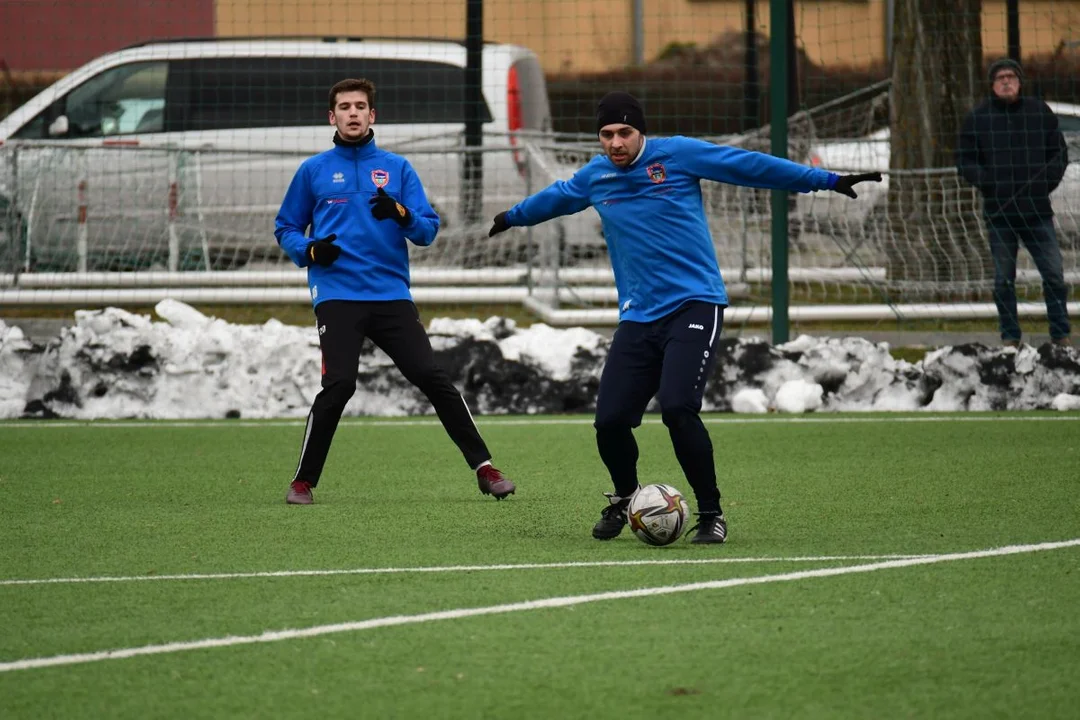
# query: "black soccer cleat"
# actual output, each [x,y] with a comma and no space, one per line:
[711,528]
[612,518]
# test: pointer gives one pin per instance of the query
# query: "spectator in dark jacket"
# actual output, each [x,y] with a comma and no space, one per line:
[1011,149]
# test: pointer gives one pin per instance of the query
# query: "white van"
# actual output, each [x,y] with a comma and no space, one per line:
[177,154]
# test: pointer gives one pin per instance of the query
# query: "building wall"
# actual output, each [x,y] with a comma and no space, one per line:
[63,34]
[583,35]
[568,35]
[1044,24]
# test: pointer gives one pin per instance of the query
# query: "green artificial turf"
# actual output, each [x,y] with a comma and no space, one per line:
[401,530]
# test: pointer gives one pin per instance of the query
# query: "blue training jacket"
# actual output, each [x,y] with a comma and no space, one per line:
[331,193]
[653,219]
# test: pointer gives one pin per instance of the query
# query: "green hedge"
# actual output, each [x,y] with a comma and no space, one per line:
[696,93]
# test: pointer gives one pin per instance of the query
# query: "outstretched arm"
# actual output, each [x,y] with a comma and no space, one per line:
[562,197]
[737,166]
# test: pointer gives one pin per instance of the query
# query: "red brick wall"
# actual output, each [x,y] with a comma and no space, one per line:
[63,34]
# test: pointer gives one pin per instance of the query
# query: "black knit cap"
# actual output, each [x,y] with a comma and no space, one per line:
[1005,64]
[620,108]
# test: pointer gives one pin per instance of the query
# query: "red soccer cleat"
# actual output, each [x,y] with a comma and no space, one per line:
[299,493]
[493,482]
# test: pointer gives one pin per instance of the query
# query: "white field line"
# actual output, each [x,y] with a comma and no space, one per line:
[446,569]
[495,421]
[270,636]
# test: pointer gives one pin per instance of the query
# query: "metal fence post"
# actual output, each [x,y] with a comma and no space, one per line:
[778,91]
[173,204]
[82,201]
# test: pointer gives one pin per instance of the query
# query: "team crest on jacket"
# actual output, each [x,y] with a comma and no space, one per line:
[380,178]
[657,173]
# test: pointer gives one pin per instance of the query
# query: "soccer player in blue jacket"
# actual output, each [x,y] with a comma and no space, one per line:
[363,205]
[671,295]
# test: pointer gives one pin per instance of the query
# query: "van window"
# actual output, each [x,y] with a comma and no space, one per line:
[121,101]
[231,93]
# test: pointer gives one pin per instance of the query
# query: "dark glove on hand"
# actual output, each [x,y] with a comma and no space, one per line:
[323,251]
[845,183]
[499,225]
[384,207]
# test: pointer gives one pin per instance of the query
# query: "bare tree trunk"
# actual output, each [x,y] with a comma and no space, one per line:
[936,245]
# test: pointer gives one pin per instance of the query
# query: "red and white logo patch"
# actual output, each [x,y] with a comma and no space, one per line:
[380,178]
[657,173]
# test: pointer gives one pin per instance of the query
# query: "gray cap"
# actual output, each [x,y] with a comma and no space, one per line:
[1005,64]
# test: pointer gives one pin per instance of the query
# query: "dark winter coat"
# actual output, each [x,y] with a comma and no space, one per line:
[1014,154]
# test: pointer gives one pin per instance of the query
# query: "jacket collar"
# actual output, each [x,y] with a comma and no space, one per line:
[640,152]
[364,147]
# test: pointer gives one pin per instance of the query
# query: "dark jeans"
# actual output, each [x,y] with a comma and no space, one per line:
[670,358]
[394,326]
[1038,236]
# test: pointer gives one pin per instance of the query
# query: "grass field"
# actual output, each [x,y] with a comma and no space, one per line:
[877,567]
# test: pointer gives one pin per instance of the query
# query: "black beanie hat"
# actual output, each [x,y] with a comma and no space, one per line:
[1003,64]
[620,108]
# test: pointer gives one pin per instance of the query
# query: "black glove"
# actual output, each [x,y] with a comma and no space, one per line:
[384,207]
[845,183]
[323,251]
[499,225]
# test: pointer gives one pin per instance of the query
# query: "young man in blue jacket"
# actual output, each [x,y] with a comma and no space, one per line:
[671,295]
[363,205]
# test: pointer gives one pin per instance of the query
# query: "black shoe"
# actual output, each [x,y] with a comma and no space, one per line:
[612,518]
[711,528]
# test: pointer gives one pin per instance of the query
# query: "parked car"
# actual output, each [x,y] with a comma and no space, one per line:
[194,142]
[831,212]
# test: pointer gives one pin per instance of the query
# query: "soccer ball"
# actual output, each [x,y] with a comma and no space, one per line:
[657,514]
